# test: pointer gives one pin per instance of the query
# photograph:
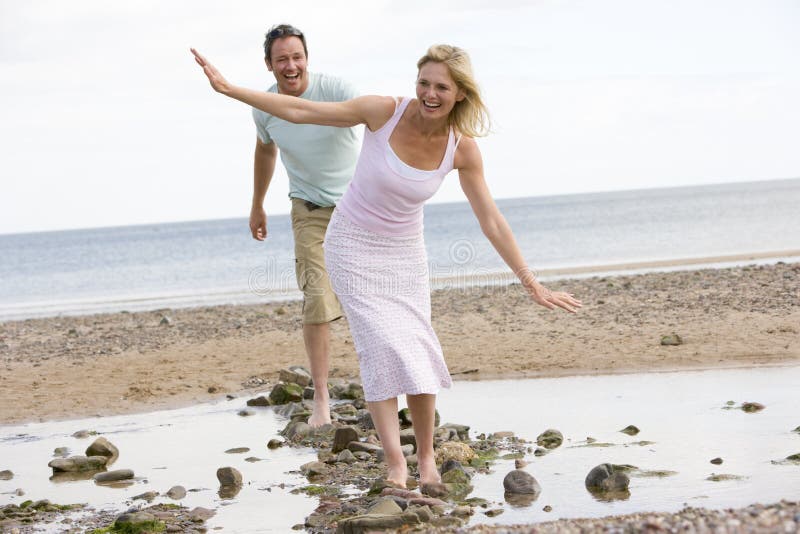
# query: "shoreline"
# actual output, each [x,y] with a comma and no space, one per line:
[82,307]
[71,367]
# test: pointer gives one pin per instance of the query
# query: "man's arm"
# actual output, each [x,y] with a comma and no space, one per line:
[266,154]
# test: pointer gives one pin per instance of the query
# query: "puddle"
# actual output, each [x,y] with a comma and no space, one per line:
[681,416]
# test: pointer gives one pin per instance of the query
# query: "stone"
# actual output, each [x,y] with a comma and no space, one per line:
[135,519]
[284,393]
[76,464]
[547,508]
[449,465]
[6,474]
[423,512]
[385,506]
[200,514]
[342,438]
[113,476]
[229,476]
[607,477]
[630,430]
[261,400]
[238,450]
[503,434]
[462,511]
[519,463]
[176,492]
[353,391]
[794,457]
[274,443]
[346,457]
[456,476]
[361,446]
[365,420]
[296,375]
[61,452]
[81,434]
[716,461]
[375,523]
[752,407]
[407,451]
[297,430]
[147,496]
[454,450]
[519,481]
[462,431]
[407,437]
[165,321]
[671,340]
[550,439]
[313,469]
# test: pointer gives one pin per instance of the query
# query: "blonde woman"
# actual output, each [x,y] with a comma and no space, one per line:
[374,249]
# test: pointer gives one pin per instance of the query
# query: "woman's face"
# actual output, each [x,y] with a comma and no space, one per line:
[437,92]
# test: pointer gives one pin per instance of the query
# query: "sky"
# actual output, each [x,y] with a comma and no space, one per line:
[107,121]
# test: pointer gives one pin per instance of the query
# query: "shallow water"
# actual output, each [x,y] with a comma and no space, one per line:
[682,413]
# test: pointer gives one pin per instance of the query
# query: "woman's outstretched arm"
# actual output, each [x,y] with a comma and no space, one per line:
[373,111]
[497,230]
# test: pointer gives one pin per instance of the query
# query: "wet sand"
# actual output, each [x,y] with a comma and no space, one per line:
[70,367]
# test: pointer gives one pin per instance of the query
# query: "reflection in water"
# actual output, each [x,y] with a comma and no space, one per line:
[229,492]
[520,500]
[609,496]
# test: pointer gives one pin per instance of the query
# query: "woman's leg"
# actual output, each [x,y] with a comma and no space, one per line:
[384,416]
[423,413]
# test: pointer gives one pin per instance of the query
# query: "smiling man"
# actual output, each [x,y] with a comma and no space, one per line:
[320,161]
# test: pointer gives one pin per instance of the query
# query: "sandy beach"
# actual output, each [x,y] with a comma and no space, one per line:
[70,367]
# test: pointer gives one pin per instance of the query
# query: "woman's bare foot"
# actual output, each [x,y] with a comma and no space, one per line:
[321,414]
[428,473]
[397,474]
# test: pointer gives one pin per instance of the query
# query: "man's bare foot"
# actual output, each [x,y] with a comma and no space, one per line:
[321,415]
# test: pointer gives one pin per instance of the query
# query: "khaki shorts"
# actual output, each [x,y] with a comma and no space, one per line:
[309,223]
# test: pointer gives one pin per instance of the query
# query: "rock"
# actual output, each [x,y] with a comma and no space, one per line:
[81,434]
[671,340]
[501,435]
[297,430]
[494,512]
[547,508]
[752,407]
[454,450]
[631,430]
[797,430]
[137,520]
[407,451]
[261,400]
[76,464]
[794,457]
[229,476]
[245,413]
[61,452]
[519,463]
[296,375]
[518,481]
[462,431]
[283,393]
[238,450]
[252,459]
[365,420]
[6,474]
[19,492]
[113,476]
[375,523]
[550,439]
[200,514]
[407,437]
[147,496]
[361,446]
[607,477]
[456,476]
[540,451]
[176,492]
[384,506]
[449,465]
[724,477]
[274,443]
[313,469]
[462,511]
[353,391]
[342,438]
[165,321]
[346,457]
[716,461]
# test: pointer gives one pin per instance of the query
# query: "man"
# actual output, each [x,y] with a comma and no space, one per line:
[320,161]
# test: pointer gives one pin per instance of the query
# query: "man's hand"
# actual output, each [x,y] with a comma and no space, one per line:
[258,223]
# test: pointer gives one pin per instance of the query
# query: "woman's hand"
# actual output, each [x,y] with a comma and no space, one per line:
[218,82]
[543,296]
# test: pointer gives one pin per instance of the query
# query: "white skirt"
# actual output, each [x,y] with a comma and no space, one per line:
[383,286]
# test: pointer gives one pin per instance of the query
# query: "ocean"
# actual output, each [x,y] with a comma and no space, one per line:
[217,262]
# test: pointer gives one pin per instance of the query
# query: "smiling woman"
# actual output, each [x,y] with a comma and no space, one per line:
[374,248]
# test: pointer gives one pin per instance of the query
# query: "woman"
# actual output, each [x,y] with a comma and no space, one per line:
[374,250]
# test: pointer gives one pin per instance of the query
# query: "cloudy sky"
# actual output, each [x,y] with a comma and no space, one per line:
[107,121]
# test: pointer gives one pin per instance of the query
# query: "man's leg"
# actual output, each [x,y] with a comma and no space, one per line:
[317,341]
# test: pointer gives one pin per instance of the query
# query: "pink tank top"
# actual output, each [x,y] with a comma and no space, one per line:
[386,195]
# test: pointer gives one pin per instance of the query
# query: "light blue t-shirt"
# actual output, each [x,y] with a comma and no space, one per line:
[320,160]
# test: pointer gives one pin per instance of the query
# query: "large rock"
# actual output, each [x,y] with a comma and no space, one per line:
[135,520]
[296,375]
[297,430]
[114,476]
[103,447]
[314,469]
[462,431]
[550,439]
[454,450]
[229,477]
[176,492]
[283,393]
[376,523]
[385,506]
[77,464]
[342,438]
[607,477]
[519,481]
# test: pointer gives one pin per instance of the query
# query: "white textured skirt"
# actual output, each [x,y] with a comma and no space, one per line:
[383,286]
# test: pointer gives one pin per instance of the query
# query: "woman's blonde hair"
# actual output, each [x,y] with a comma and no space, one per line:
[469,116]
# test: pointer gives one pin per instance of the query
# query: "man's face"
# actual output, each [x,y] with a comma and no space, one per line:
[288,63]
